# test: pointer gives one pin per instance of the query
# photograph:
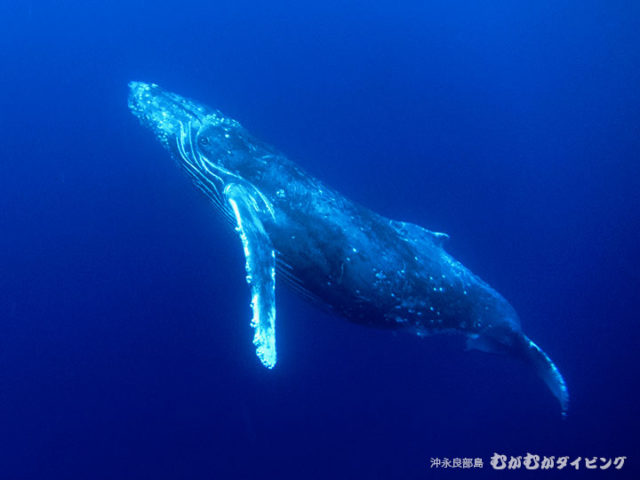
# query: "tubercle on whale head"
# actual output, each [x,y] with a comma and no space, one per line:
[165,113]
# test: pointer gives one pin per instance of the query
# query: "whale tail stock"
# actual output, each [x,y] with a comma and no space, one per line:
[524,348]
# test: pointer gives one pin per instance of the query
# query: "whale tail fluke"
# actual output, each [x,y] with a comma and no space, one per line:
[547,371]
[523,347]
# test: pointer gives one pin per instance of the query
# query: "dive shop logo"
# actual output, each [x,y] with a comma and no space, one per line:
[530,462]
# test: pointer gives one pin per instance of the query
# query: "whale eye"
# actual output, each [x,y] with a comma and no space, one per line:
[204,141]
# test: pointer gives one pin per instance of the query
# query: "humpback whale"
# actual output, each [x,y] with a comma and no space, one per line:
[359,265]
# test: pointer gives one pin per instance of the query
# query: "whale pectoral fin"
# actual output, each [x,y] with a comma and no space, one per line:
[261,269]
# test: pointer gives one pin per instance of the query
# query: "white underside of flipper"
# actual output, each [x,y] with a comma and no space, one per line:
[260,264]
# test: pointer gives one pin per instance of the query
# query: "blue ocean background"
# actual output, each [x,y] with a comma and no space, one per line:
[125,346]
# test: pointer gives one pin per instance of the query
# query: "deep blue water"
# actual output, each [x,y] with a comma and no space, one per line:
[125,346]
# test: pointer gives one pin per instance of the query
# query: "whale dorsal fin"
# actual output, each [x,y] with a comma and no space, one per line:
[411,231]
[260,265]
[439,237]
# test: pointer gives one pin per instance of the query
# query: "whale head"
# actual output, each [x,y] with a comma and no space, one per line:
[168,115]
[212,148]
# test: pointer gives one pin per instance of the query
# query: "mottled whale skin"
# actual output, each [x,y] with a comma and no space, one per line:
[360,265]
